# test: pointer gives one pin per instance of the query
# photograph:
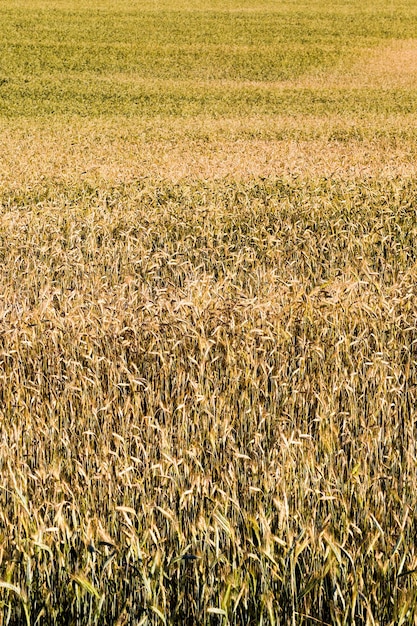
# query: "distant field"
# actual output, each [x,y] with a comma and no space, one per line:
[321,59]
[208,313]
[184,89]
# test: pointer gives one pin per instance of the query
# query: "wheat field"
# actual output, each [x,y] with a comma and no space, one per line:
[208,313]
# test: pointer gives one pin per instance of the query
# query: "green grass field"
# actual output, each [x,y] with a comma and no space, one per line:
[208,313]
